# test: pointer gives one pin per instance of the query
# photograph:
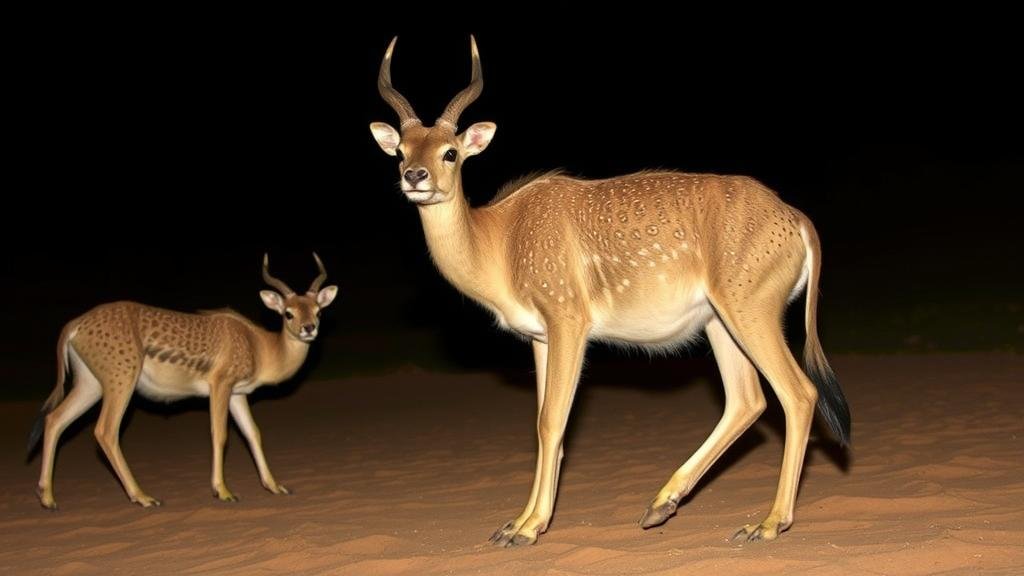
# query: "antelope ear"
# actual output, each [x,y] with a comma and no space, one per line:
[326,296]
[386,136]
[272,300]
[476,138]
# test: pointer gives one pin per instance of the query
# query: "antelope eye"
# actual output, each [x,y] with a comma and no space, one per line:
[401,157]
[288,314]
[450,155]
[317,313]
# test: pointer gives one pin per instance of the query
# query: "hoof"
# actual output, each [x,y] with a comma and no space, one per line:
[657,515]
[146,501]
[278,489]
[225,495]
[522,540]
[756,533]
[509,536]
[503,533]
[46,498]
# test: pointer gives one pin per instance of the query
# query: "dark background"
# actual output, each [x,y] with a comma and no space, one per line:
[158,162]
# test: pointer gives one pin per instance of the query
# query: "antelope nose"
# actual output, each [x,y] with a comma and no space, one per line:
[415,176]
[309,328]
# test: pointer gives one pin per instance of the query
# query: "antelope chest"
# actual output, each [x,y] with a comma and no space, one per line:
[515,317]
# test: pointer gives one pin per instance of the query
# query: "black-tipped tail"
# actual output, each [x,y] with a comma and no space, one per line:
[55,397]
[37,431]
[831,401]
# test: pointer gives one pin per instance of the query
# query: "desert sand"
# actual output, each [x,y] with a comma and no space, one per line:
[411,472]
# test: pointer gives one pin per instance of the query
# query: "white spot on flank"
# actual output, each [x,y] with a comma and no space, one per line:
[625,282]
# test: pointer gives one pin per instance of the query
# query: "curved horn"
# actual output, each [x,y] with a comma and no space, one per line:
[274,282]
[470,93]
[406,115]
[315,286]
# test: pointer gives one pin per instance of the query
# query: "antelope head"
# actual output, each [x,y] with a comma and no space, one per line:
[430,158]
[301,311]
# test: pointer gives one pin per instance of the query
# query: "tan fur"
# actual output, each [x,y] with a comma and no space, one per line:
[115,349]
[649,259]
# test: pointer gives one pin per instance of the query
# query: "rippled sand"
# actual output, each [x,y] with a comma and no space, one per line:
[410,473]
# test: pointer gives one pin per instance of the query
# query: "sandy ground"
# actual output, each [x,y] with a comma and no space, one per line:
[388,479]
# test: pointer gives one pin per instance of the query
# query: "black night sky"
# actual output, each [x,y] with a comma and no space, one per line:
[159,166]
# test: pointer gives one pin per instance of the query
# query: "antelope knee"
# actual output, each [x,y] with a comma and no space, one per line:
[105,436]
[801,403]
[757,406]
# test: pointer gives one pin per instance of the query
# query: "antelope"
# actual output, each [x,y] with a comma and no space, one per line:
[117,348]
[647,259]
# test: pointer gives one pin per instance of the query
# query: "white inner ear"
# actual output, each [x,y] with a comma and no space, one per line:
[272,300]
[476,138]
[387,137]
[326,296]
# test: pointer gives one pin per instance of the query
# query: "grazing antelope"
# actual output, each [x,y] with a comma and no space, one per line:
[648,259]
[115,349]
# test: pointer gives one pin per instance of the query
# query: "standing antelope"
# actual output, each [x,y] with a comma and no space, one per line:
[648,259]
[117,348]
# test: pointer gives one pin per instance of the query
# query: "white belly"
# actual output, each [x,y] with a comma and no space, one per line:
[245,387]
[166,382]
[663,323]
[674,320]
